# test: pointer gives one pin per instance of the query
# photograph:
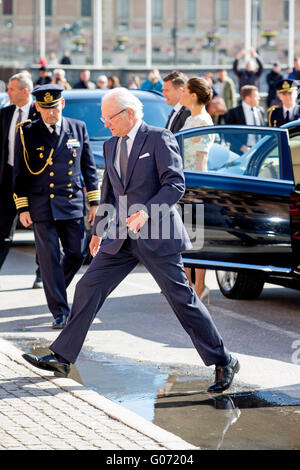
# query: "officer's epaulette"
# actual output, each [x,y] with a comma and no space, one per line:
[272,108]
[20,124]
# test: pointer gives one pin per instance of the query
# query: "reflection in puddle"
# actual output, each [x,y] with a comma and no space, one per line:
[179,403]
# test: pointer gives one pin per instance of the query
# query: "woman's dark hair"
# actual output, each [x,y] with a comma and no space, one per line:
[202,88]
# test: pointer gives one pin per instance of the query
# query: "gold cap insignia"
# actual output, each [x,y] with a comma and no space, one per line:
[48,98]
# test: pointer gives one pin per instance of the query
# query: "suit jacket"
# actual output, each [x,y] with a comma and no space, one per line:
[276,117]
[236,116]
[179,120]
[154,178]
[6,115]
[57,191]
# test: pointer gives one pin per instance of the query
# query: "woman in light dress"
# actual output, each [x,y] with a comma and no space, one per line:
[197,94]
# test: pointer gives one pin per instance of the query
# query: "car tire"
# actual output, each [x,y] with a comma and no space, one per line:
[239,286]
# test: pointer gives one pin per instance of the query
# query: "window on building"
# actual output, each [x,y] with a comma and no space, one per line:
[223,10]
[48,7]
[123,9]
[7,7]
[86,7]
[286,11]
[157,9]
[190,9]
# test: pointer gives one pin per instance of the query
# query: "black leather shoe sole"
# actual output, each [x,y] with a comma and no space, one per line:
[49,363]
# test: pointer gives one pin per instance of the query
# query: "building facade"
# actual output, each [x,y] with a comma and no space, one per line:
[204,32]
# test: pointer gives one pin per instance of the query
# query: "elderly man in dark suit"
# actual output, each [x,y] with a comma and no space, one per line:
[52,156]
[173,88]
[143,171]
[289,109]
[21,108]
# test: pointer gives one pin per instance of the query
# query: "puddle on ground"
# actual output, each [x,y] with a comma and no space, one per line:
[176,401]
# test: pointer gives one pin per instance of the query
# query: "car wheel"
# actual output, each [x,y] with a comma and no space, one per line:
[235,285]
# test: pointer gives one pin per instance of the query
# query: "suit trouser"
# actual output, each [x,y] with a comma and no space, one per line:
[107,271]
[58,271]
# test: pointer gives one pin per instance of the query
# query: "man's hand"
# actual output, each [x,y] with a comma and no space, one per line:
[25,219]
[136,221]
[240,54]
[92,214]
[94,245]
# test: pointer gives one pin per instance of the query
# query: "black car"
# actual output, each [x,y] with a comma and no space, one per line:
[248,228]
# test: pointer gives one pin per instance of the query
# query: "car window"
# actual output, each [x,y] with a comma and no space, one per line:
[295,154]
[233,151]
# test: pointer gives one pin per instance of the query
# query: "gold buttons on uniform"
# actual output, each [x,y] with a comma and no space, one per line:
[70,173]
[70,162]
[51,185]
[51,173]
[52,196]
[70,196]
[69,185]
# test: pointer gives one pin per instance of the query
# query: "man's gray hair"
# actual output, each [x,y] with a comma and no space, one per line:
[24,80]
[126,99]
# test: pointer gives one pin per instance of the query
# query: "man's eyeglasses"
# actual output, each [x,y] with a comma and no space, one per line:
[111,117]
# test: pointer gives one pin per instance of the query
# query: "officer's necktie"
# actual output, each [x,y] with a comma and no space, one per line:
[123,157]
[54,133]
[287,116]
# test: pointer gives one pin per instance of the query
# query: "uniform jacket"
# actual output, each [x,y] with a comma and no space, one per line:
[57,192]
[6,115]
[276,117]
[154,177]
[179,120]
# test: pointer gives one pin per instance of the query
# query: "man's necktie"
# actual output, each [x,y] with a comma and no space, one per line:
[54,133]
[254,117]
[169,119]
[287,116]
[19,119]
[123,157]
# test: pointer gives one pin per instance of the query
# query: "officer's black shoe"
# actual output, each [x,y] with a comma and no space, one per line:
[60,322]
[49,362]
[224,376]
[38,283]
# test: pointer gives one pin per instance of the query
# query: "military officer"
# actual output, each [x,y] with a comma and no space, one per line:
[53,158]
[289,110]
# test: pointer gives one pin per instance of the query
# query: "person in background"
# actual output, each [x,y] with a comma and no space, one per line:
[113,82]
[173,88]
[272,79]
[101,82]
[196,95]
[59,78]
[134,82]
[84,81]
[20,109]
[44,78]
[52,59]
[289,109]
[295,73]
[253,71]
[153,82]
[226,89]
[66,60]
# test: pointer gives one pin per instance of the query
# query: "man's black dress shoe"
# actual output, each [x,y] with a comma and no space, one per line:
[224,376]
[38,283]
[59,322]
[49,362]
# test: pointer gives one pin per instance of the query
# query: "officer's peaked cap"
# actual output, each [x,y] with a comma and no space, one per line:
[287,85]
[48,96]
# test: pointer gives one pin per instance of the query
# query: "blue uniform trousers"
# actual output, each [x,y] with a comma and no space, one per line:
[60,246]
[105,273]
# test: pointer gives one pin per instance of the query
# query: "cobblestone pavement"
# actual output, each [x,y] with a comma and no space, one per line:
[50,413]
